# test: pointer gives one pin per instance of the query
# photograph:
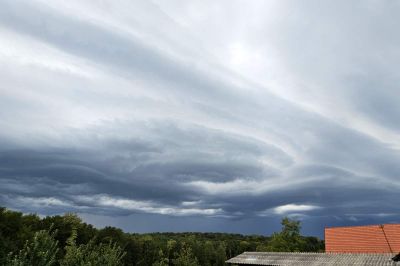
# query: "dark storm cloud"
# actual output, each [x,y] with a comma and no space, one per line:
[229,122]
[144,171]
[380,98]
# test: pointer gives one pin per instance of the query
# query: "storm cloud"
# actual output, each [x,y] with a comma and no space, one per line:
[201,115]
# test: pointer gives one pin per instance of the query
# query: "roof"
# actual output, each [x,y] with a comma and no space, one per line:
[312,259]
[363,239]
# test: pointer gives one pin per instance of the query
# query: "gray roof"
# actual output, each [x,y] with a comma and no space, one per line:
[312,259]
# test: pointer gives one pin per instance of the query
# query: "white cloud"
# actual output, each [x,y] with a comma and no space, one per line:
[191,203]
[296,210]
[41,202]
[145,206]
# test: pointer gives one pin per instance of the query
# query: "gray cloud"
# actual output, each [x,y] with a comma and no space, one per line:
[211,118]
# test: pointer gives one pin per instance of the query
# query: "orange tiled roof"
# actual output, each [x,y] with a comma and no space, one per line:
[363,239]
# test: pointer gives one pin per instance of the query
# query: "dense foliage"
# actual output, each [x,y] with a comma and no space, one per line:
[66,240]
[40,251]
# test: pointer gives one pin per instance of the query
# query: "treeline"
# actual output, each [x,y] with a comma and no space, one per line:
[66,240]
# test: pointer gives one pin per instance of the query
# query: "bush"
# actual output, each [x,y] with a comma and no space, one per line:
[41,251]
[91,254]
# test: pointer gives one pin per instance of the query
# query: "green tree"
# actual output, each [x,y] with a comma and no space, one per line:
[91,254]
[220,254]
[289,239]
[186,257]
[63,225]
[13,232]
[244,246]
[162,261]
[41,251]
[149,251]
[82,244]
[209,253]
[171,250]
[313,244]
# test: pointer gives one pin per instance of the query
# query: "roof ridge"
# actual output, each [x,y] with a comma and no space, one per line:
[318,253]
[312,258]
[367,225]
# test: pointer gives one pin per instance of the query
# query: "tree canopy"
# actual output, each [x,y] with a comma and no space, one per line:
[66,240]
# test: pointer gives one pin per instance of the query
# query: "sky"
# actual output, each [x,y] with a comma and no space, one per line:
[221,116]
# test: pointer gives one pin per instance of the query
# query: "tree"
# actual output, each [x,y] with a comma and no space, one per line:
[149,251]
[290,228]
[41,251]
[162,261]
[209,253]
[91,254]
[313,244]
[186,257]
[82,244]
[244,246]
[289,239]
[220,254]
[171,248]
[13,233]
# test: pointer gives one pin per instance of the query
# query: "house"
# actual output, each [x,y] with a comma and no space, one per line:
[312,259]
[349,245]
[383,238]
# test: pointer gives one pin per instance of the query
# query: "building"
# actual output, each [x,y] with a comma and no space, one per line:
[349,245]
[383,238]
[312,259]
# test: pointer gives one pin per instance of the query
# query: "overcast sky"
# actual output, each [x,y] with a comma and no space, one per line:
[201,115]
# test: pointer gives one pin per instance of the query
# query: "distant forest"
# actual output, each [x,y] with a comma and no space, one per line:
[27,239]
